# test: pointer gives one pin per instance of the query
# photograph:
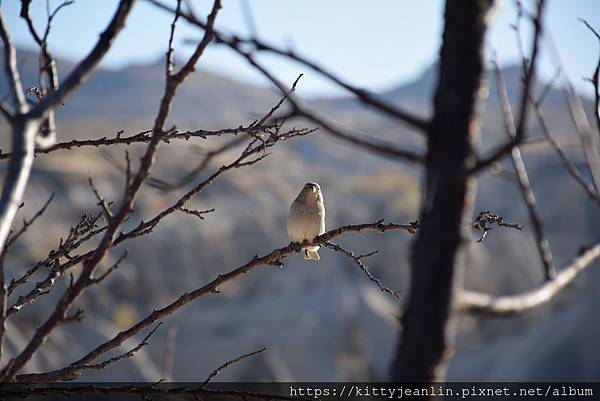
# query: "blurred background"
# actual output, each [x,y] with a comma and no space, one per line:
[319,321]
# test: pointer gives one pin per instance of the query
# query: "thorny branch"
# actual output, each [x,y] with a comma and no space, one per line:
[273,258]
[145,137]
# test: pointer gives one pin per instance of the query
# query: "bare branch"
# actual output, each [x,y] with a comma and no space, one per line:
[83,231]
[370,144]
[189,177]
[358,259]
[82,71]
[272,258]
[527,88]
[114,267]
[89,264]
[27,223]
[128,354]
[76,316]
[144,227]
[12,73]
[252,129]
[101,202]
[523,179]
[47,135]
[145,137]
[197,213]
[102,365]
[362,95]
[23,134]
[590,142]
[479,303]
[170,50]
[566,162]
[229,363]
[595,81]
[143,391]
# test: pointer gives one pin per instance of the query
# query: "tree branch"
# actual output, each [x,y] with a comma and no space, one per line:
[272,258]
[89,264]
[358,259]
[82,71]
[370,144]
[26,224]
[229,363]
[523,179]
[12,72]
[142,137]
[566,162]
[362,95]
[479,303]
[595,81]
[528,83]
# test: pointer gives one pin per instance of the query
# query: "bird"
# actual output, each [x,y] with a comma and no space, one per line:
[306,219]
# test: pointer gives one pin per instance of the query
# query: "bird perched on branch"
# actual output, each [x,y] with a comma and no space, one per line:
[307,218]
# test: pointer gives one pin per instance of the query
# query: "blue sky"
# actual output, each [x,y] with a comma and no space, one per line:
[373,44]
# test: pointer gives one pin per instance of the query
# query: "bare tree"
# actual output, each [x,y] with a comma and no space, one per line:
[451,162]
[104,228]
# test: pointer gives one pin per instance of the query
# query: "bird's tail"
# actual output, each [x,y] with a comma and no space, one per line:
[311,254]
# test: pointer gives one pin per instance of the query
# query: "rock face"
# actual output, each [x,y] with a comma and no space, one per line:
[319,321]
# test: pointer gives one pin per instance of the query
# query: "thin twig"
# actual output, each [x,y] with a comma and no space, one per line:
[358,259]
[229,363]
[27,223]
[125,355]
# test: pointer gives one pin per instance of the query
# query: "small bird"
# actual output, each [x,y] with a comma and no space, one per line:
[307,218]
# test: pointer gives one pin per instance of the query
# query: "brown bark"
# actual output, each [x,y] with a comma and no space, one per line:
[427,322]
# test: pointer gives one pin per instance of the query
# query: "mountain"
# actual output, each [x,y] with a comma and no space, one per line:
[318,322]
